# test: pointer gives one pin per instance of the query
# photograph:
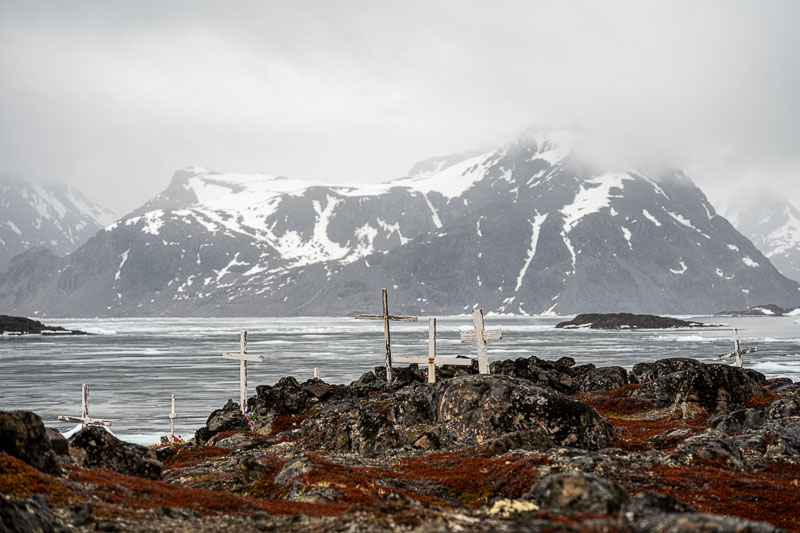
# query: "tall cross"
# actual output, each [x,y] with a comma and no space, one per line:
[172,417]
[386,317]
[432,360]
[243,357]
[479,336]
[84,419]
[737,352]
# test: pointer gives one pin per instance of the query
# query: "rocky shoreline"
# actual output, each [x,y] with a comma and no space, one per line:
[537,445]
[17,325]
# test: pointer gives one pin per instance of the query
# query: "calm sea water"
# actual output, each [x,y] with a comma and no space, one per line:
[132,366]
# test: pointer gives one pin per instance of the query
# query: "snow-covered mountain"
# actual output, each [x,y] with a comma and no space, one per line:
[526,228]
[773,224]
[57,217]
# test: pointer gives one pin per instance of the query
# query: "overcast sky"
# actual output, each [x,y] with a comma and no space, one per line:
[114,96]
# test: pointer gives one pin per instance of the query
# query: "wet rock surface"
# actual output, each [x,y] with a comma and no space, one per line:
[537,445]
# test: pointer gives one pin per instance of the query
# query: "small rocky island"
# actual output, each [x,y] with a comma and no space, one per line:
[17,325]
[626,321]
[673,445]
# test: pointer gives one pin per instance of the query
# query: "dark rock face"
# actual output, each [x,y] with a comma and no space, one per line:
[711,447]
[689,384]
[33,515]
[557,375]
[577,492]
[606,378]
[22,435]
[462,411]
[626,320]
[226,419]
[94,447]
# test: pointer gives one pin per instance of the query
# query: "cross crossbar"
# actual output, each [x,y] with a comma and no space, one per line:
[489,335]
[386,317]
[84,418]
[737,351]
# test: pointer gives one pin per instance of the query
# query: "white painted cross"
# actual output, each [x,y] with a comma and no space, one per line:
[316,372]
[84,419]
[243,357]
[386,317]
[479,336]
[432,360]
[172,417]
[737,352]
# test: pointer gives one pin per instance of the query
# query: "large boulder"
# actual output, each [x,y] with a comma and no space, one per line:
[23,435]
[466,410]
[557,375]
[711,448]
[578,492]
[31,515]
[605,378]
[95,447]
[228,418]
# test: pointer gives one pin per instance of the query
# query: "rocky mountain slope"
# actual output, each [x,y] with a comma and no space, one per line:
[527,228]
[57,217]
[773,224]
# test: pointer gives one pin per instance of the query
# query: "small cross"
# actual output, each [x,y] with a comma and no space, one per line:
[84,419]
[172,417]
[479,336]
[243,357]
[386,317]
[737,352]
[432,360]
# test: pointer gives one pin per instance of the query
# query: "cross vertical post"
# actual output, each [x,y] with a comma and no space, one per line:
[479,336]
[243,357]
[432,360]
[316,373]
[386,317]
[85,401]
[172,417]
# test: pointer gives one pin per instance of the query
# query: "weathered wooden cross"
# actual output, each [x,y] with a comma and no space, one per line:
[737,352]
[479,336]
[84,419]
[172,417]
[432,360]
[243,357]
[386,317]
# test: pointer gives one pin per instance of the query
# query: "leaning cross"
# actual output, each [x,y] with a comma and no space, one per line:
[386,317]
[432,360]
[84,419]
[479,336]
[737,352]
[243,357]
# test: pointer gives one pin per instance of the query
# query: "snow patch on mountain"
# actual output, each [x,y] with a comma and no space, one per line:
[594,194]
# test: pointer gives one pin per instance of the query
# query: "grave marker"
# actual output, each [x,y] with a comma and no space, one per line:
[737,352]
[479,336]
[172,417]
[386,317]
[432,360]
[84,419]
[243,357]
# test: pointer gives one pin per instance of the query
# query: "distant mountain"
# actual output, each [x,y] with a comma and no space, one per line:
[524,229]
[773,224]
[57,217]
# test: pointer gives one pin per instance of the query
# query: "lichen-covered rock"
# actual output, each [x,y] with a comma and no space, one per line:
[606,378]
[739,420]
[22,435]
[229,418]
[578,492]
[31,515]
[95,447]
[694,522]
[713,447]
[556,375]
[783,408]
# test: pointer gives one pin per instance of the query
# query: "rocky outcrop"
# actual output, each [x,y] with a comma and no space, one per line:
[25,326]
[31,515]
[626,321]
[22,435]
[95,447]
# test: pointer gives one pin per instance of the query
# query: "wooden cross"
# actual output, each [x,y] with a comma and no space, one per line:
[243,357]
[172,417]
[479,336]
[316,372]
[84,419]
[432,360]
[737,352]
[386,317]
